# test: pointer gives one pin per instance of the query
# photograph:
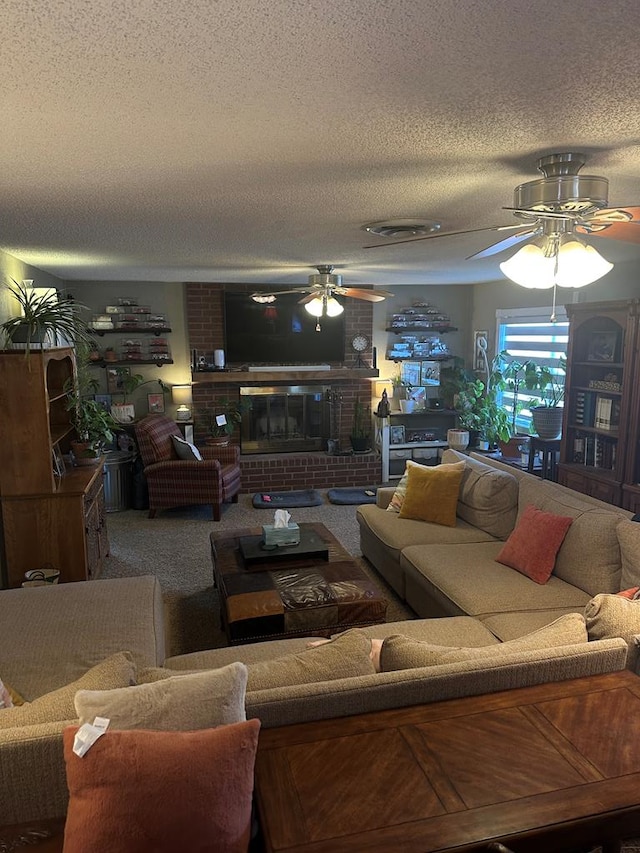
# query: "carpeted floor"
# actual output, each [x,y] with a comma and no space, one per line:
[175,547]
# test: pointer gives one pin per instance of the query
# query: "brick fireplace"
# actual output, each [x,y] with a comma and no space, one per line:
[280,467]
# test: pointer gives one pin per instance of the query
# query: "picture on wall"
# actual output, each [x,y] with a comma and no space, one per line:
[115,376]
[419,397]
[104,400]
[155,403]
[396,434]
[430,373]
[410,373]
[602,346]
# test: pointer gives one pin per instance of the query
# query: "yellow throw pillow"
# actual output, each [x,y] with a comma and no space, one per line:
[432,493]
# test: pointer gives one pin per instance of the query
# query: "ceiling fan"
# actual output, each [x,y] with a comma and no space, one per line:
[321,291]
[556,210]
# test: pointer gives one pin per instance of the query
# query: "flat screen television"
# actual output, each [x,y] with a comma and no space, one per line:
[280,332]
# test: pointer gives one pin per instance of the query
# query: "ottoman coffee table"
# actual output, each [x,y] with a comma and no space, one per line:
[315,589]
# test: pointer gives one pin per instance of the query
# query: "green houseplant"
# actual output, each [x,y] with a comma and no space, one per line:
[93,424]
[546,411]
[360,435]
[46,320]
[226,410]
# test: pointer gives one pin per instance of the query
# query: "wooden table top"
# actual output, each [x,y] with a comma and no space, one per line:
[551,767]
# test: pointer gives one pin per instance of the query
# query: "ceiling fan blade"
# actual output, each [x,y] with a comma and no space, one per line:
[506,243]
[314,293]
[617,214]
[280,292]
[367,295]
[445,234]
[626,231]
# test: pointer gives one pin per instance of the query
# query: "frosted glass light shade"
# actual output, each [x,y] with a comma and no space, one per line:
[316,307]
[576,266]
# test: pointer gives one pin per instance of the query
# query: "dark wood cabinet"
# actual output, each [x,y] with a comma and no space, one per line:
[599,452]
[47,519]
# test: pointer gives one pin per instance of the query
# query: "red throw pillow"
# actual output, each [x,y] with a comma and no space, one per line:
[534,543]
[162,791]
[629,593]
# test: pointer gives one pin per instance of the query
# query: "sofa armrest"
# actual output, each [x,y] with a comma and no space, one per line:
[384,495]
[32,769]
[51,635]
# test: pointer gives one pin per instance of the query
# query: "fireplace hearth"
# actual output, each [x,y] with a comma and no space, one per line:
[285,419]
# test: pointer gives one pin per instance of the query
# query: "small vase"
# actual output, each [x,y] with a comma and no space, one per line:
[458,439]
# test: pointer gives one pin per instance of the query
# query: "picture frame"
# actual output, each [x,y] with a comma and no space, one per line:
[104,400]
[480,343]
[410,373]
[430,373]
[155,404]
[114,379]
[396,434]
[419,396]
[603,346]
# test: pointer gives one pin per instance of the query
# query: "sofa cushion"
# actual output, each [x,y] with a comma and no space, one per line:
[400,652]
[466,580]
[181,702]
[589,557]
[116,671]
[608,616]
[510,626]
[488,498]
[534,543]
[345,656]
[162,791]
[628,533]
[401,489]
[432,493]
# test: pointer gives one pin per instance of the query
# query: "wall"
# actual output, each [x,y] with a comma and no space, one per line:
[163,298]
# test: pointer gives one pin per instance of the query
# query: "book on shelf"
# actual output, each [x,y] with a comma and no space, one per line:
[602,419]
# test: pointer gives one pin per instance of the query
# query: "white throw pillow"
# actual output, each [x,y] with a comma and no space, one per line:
[185,450]
[198,700]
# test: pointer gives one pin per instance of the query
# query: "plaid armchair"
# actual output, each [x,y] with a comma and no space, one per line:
[176,482]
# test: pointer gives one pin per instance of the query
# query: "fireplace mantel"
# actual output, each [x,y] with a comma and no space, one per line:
[264,377]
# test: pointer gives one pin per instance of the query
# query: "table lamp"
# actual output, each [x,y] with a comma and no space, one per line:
[181,394]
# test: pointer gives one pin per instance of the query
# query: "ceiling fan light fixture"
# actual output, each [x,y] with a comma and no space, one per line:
[530,268]
[579,265]
[318,308]
[556,259]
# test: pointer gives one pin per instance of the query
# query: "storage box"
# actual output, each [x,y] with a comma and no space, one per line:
[273,536]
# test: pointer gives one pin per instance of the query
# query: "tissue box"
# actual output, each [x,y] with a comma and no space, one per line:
[289,535]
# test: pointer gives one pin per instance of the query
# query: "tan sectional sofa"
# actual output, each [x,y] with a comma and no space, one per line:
[452,571]
[50,636]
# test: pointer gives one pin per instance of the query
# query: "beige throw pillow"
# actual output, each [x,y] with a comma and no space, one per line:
[614,616]
[628,533]
[399,652]
[202,700]
[345,656]
[119,670]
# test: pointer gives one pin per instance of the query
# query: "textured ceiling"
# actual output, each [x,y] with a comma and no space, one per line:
[248,140]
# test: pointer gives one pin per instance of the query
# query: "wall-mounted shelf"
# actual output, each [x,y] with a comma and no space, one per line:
[251,377]
[131,362]
[132,330]
[412,330]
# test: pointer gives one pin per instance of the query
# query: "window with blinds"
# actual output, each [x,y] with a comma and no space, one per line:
[528,334]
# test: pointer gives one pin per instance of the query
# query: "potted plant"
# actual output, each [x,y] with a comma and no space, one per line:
[221,420]
[92,422]
[546,411]
[125,412]
[47,320]
[508,373]
[360,435]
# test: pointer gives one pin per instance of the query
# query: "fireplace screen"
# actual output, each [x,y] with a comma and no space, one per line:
[284,419]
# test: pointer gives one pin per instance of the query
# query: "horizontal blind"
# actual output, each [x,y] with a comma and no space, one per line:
[531,337]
